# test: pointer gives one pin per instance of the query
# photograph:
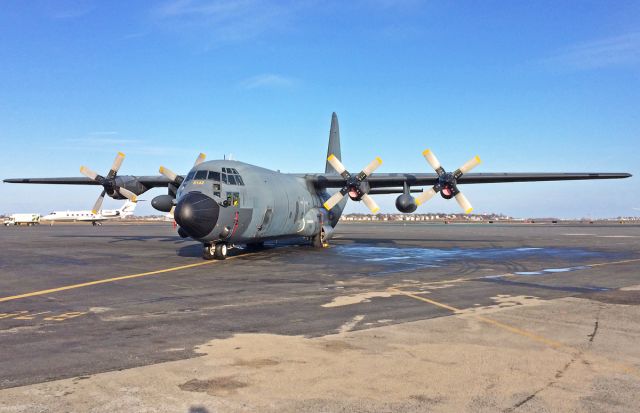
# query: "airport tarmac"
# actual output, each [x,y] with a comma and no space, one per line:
[391,317]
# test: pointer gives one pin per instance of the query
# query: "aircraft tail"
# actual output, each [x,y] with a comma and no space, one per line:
[334,149]
[334,144]
[128,208]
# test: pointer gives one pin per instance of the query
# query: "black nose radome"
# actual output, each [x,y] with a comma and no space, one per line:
[196,214]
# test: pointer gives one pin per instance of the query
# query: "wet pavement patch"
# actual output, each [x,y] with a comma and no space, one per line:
[395,259]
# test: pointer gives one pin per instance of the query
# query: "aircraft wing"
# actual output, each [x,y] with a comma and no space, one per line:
[390,180]
[146,181]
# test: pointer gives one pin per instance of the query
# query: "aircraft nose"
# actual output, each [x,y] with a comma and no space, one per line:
[196,214]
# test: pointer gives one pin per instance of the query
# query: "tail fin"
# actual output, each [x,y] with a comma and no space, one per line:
[334,143]
[128,208]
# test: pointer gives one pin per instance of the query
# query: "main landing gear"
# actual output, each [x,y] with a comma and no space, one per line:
[320,240]
[216,251]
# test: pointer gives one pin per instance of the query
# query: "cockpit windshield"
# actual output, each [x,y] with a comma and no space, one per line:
[201,175]
[229,176]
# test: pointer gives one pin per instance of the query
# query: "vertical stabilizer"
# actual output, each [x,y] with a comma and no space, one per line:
[127,209]
[334,144]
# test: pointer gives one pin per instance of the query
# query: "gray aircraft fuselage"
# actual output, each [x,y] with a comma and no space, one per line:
[213,205]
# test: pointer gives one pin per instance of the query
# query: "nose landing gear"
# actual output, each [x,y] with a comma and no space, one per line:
[216,251]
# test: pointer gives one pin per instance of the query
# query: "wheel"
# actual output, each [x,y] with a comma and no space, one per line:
[220,251]
[208,251]
[318,240]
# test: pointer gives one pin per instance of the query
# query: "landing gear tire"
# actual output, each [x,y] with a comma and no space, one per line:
[319,240]
[208,251]
[221,250]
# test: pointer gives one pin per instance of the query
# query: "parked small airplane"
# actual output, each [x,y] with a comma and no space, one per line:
[223,203]
[95,217]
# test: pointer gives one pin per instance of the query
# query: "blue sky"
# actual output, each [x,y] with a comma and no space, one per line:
[529,86]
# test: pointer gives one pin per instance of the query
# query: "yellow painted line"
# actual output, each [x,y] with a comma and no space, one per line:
[105,281]
[31,316]
[612,263]
[512,329]
[524,333]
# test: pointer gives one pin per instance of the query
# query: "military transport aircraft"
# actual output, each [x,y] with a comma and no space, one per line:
[224,203]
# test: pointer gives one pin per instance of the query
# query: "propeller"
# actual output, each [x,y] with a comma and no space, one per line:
[356,186]
[108,183]
[447,182]
[177,179]
[174,177]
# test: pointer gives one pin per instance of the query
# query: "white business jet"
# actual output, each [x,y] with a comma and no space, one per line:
[90,216]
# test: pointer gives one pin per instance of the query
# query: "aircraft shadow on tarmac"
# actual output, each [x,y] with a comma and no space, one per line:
[121,238]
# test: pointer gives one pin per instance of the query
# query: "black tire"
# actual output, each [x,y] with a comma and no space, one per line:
[318,241]
[207,252]
[221,250]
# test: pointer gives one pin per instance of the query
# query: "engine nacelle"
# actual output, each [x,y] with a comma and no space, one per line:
[406,203]
[127,182]
[162,203]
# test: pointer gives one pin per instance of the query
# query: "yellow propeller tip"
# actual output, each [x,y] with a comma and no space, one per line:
[93,211]
[418,203]
[121,154]
[468,211]
[378,159]
[375,211]
[331,157]
[426,151]
[326,206]
[478,159]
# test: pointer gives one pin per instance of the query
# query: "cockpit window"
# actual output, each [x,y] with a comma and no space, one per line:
[239,180]
[224,178]
[201,175]
[231,179]
[214,176]
[190,175]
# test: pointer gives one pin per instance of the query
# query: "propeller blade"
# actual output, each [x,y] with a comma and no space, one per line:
[98,205]
[173,208]
[425,196]
[88,173]
[169,174]
[337,165]
[464,203]
[199,159]
[370,203]
[472,163]
[431,158]
[117,163]
[333,201]
[128,194]
[375,164]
